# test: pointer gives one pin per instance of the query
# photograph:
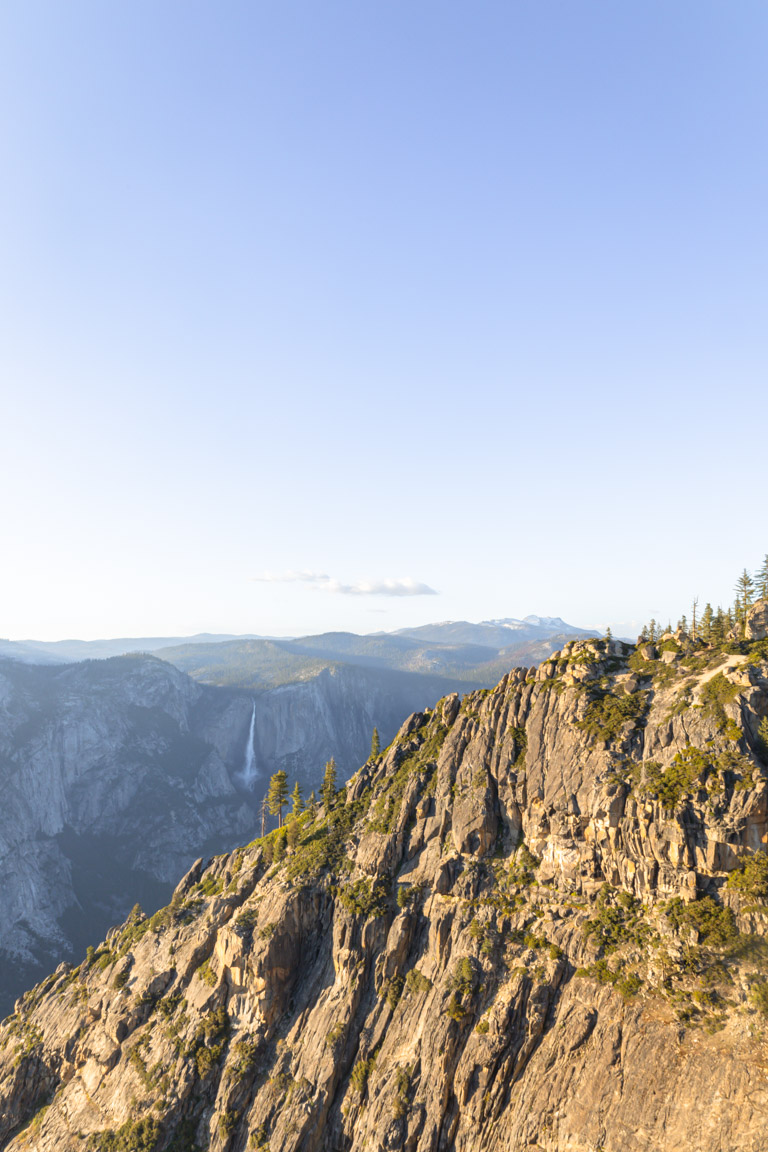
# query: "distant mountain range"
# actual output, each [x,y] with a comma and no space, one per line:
[494,633]
[271,657]
[70,651]
[470,655]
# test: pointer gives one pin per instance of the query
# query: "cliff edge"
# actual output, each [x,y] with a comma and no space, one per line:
[536,923]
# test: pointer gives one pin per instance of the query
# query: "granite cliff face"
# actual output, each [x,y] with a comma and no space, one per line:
[536,923]
[116,774]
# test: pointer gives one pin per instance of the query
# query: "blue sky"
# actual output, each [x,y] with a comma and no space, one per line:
[399,295]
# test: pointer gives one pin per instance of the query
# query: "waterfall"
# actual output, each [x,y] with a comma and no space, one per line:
[249,767]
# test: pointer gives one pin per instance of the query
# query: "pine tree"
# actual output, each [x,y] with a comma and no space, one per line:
[693,616]
[312,806]
[279,849]
[719,626]
[376,744]
[761,580]
[707,619]
[608,634]
[745,592]
[297,800]
[329,785]
[277,797]
[293,833]
[762,737]
[263,814]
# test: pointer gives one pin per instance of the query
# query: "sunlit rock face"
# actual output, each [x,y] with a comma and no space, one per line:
[757,621]
[535,924]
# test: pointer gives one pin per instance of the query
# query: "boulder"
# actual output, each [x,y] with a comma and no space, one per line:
[757,621]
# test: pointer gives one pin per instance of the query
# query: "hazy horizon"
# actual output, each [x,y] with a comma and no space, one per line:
[224,636]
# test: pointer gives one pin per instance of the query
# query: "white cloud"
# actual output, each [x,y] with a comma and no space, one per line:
[404,586]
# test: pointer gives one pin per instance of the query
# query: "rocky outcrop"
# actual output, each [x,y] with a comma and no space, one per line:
[757,621]
[536,924]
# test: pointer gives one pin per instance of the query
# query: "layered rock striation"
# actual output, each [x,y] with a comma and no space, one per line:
[536,923]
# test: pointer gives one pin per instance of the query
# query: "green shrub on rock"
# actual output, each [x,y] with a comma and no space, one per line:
[416,982]
[606,714]
[393,990]
[402,1086]
[360,1074]
[751,878]
[455,1008]
[762,738]
[629,985]
[463,977]
[670,784]
[715,924]
[618,920]
[758,994]
[363,898]
[714,695]
[133,1136]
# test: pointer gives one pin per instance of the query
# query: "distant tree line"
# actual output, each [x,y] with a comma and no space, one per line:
[278,797]
[713,625]
[288,806]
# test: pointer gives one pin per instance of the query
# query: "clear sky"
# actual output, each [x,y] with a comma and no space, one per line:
[394,295]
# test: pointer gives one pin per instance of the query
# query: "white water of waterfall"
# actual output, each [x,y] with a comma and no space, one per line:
[249,768]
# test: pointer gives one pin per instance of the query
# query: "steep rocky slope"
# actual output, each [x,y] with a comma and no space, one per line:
[116,774]
[536,923]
